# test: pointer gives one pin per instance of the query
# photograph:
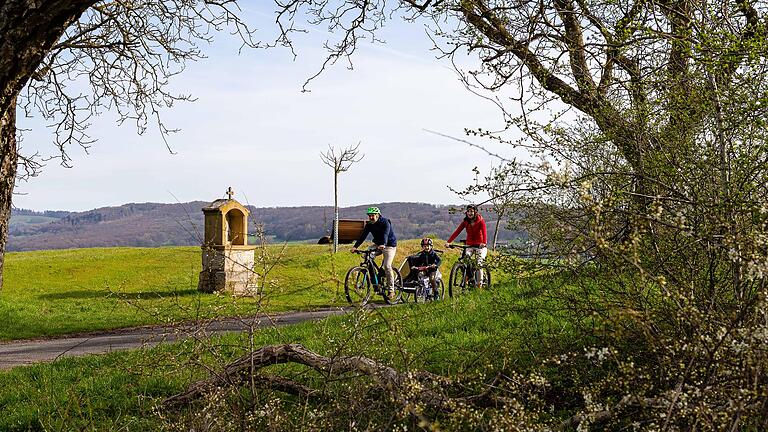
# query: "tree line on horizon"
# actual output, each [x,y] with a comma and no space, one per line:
[154,224]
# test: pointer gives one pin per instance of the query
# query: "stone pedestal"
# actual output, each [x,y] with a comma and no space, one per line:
[228,269]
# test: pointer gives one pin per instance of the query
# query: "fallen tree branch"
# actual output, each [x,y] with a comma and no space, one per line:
[611,412]
[403,387]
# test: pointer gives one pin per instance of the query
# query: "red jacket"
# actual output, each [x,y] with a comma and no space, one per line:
[476,233]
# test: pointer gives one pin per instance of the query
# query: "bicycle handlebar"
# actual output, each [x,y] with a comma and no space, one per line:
[370,248]
[455,246]
[366,252]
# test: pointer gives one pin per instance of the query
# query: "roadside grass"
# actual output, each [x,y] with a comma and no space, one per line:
[56,292]
[465,338]
[49,293]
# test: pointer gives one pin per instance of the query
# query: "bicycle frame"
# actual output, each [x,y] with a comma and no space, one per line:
[369,262]
[369,278]
[468,262]
[468,268]
[375,274]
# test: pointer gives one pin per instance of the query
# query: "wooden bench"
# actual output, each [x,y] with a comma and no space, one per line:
[349,231]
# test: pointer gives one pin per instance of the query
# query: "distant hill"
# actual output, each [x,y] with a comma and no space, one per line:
[153,224]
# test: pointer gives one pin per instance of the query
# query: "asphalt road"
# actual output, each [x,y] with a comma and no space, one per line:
[19,353]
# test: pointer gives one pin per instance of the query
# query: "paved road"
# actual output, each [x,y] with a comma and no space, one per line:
[27,352]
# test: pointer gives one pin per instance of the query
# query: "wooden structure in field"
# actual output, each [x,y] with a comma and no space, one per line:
[228,260]
[349,231]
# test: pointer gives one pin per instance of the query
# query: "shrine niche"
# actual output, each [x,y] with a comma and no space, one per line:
[228,259]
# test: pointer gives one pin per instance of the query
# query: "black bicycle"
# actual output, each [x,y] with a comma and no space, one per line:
[464,273]
[369,275]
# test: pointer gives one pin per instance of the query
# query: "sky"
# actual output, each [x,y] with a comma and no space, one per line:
[253,129]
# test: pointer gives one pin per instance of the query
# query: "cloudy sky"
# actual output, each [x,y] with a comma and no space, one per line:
[253,129]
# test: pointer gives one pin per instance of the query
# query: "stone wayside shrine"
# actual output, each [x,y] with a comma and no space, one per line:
[228,260]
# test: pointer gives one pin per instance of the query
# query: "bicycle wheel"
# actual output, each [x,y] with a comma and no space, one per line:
[440,294]
[409,294]
[398,289]
[457,283]
[486,278]
[418,294]
[357,286]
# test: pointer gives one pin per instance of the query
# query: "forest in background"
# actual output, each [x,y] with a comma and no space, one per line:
[180,224]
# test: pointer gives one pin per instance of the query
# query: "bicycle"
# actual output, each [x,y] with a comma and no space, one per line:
[463,273]
[360,279]
[423,291]
[417,287]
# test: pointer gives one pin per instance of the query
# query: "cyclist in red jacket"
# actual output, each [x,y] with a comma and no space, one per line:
[477,237]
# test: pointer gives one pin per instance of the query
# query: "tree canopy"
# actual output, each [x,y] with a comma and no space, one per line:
[69,60]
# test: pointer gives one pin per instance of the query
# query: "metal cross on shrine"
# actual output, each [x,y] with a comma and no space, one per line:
[230,192]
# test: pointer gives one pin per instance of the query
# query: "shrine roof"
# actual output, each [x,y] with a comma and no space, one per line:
[224,204]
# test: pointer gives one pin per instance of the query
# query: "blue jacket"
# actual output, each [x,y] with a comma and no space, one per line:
[382,231]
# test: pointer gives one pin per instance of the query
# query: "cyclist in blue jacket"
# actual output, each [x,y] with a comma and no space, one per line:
[385,241]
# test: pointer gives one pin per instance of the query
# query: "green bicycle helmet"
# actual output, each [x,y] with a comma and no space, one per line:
[373,210]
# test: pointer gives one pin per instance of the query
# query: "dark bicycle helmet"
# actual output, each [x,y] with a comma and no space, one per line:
[471,207]
[426,241]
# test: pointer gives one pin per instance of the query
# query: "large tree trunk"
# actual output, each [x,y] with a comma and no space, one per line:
[8,161]
[28,31]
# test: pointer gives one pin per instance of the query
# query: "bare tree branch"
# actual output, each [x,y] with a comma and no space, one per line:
[401,386]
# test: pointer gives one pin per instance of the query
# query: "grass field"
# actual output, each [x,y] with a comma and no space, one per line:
[49,293]
[56,292]
[466,337]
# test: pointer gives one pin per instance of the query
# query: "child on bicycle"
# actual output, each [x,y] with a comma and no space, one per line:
[476,238]
[427,261]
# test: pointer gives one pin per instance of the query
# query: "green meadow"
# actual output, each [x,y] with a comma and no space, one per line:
[466,337]
[56,292]
[50,293]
